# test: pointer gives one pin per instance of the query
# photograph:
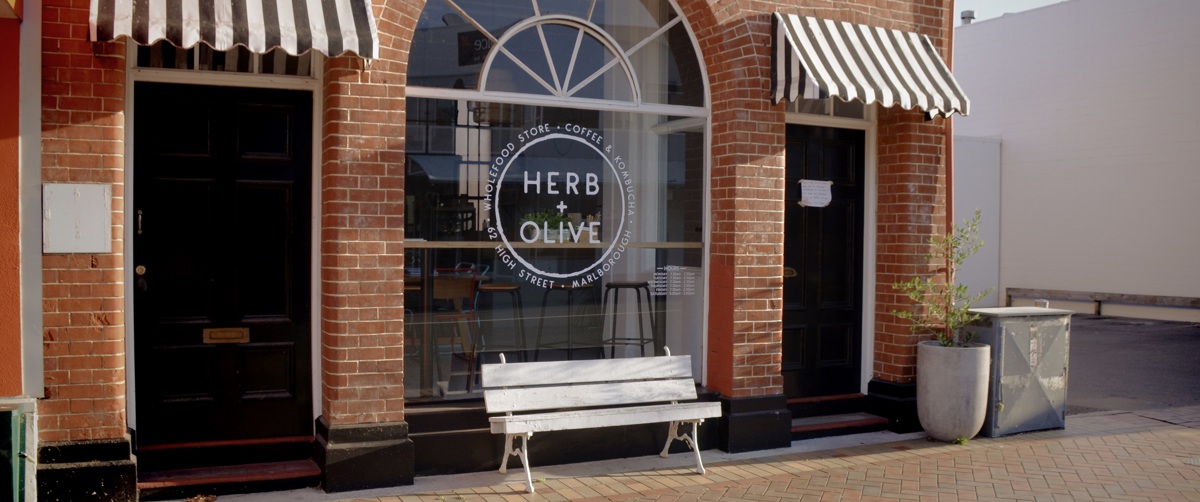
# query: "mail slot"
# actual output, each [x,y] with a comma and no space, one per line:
[227,335]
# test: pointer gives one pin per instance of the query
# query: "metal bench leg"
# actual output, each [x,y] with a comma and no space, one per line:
[520,452]
[673,435]
[508,451]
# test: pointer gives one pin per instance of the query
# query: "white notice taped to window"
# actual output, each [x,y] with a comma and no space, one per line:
[815,193]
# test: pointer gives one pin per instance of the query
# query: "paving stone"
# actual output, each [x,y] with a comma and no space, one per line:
[1147,455]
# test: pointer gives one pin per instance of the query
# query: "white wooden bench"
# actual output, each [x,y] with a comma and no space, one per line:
[565,395]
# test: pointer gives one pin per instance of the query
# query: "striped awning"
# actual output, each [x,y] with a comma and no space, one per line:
[816,58]
[331,27]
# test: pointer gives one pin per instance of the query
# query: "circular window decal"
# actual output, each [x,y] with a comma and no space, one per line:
[565,183]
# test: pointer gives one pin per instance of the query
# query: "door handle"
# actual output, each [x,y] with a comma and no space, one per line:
[139,222]
[140,280]
[789,272]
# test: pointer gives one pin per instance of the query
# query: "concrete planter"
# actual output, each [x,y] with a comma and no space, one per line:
[952,389]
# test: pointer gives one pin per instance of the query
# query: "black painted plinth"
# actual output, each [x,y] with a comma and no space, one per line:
[755,423]
[363,456]
[90,470]
[895,401]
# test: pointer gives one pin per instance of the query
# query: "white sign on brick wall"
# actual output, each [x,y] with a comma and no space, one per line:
[76,218]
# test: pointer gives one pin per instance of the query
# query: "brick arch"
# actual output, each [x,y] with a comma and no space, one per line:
[746,260]
[744,338]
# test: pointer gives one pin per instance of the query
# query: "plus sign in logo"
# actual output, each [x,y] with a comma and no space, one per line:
[533,168]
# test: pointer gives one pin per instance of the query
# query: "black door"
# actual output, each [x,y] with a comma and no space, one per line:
[823,249]
[221,202]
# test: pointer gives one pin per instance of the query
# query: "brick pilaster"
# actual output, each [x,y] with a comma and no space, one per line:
[362,437]
[83,450]
[911,208]
[83,103]
[362,226]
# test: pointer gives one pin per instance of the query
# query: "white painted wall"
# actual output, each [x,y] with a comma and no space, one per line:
[977,186]
[1094,102]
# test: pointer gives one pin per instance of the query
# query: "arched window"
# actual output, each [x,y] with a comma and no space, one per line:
[555,153]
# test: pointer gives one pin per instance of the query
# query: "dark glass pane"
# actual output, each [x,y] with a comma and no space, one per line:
[545,207]
[849,109]
[164,55]
[279,62]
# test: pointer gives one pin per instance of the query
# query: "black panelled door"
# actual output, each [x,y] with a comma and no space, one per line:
[823,250]
[222,203]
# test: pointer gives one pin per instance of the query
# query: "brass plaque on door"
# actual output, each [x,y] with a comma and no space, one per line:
[227,335]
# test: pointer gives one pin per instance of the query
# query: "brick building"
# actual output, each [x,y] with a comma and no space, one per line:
[277,242]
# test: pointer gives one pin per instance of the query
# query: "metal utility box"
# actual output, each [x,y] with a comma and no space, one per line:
[1028,388]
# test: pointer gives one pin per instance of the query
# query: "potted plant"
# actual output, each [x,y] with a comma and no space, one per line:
[952,372]
[552,226]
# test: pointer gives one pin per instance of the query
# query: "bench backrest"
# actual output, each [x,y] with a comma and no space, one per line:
[575,384]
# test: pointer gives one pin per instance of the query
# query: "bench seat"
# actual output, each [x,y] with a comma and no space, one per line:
[603,417]
[570,395]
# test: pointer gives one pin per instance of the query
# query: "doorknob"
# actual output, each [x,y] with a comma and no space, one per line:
[789,272]
[140,281]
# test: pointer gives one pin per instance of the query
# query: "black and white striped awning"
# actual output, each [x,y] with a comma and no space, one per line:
[816,58]
[331,27]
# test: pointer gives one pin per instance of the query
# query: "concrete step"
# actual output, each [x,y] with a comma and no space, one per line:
[836,425]
[220,480]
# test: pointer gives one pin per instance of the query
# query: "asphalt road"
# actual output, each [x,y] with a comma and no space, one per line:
[1132,364]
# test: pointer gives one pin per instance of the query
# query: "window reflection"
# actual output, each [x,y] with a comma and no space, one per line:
[514,239]
[550,232]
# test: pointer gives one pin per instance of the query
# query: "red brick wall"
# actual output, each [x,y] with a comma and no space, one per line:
[747,187]
[362,212]
[362,228]
[362,222]
[83,295]
[745,291]
[912,207]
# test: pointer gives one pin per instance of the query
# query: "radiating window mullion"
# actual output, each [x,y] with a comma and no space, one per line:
[574,57]
[558,85]
[520,64]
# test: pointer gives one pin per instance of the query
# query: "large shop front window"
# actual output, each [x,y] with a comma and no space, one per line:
[555,187]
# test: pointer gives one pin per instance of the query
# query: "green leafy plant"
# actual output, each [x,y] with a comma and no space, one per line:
[550,217]
[961,440]
[941,306]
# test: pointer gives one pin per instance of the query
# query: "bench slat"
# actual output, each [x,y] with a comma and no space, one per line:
[586,419]
[582,395]
[596,370]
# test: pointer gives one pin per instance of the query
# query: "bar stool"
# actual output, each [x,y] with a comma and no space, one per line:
[456,288]
[570,290]
[518,313]
[412,345]
[641,340]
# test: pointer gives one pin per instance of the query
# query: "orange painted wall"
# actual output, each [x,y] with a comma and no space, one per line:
[10,220]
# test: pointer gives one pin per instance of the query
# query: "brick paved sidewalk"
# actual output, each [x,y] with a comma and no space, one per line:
[1147,455]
